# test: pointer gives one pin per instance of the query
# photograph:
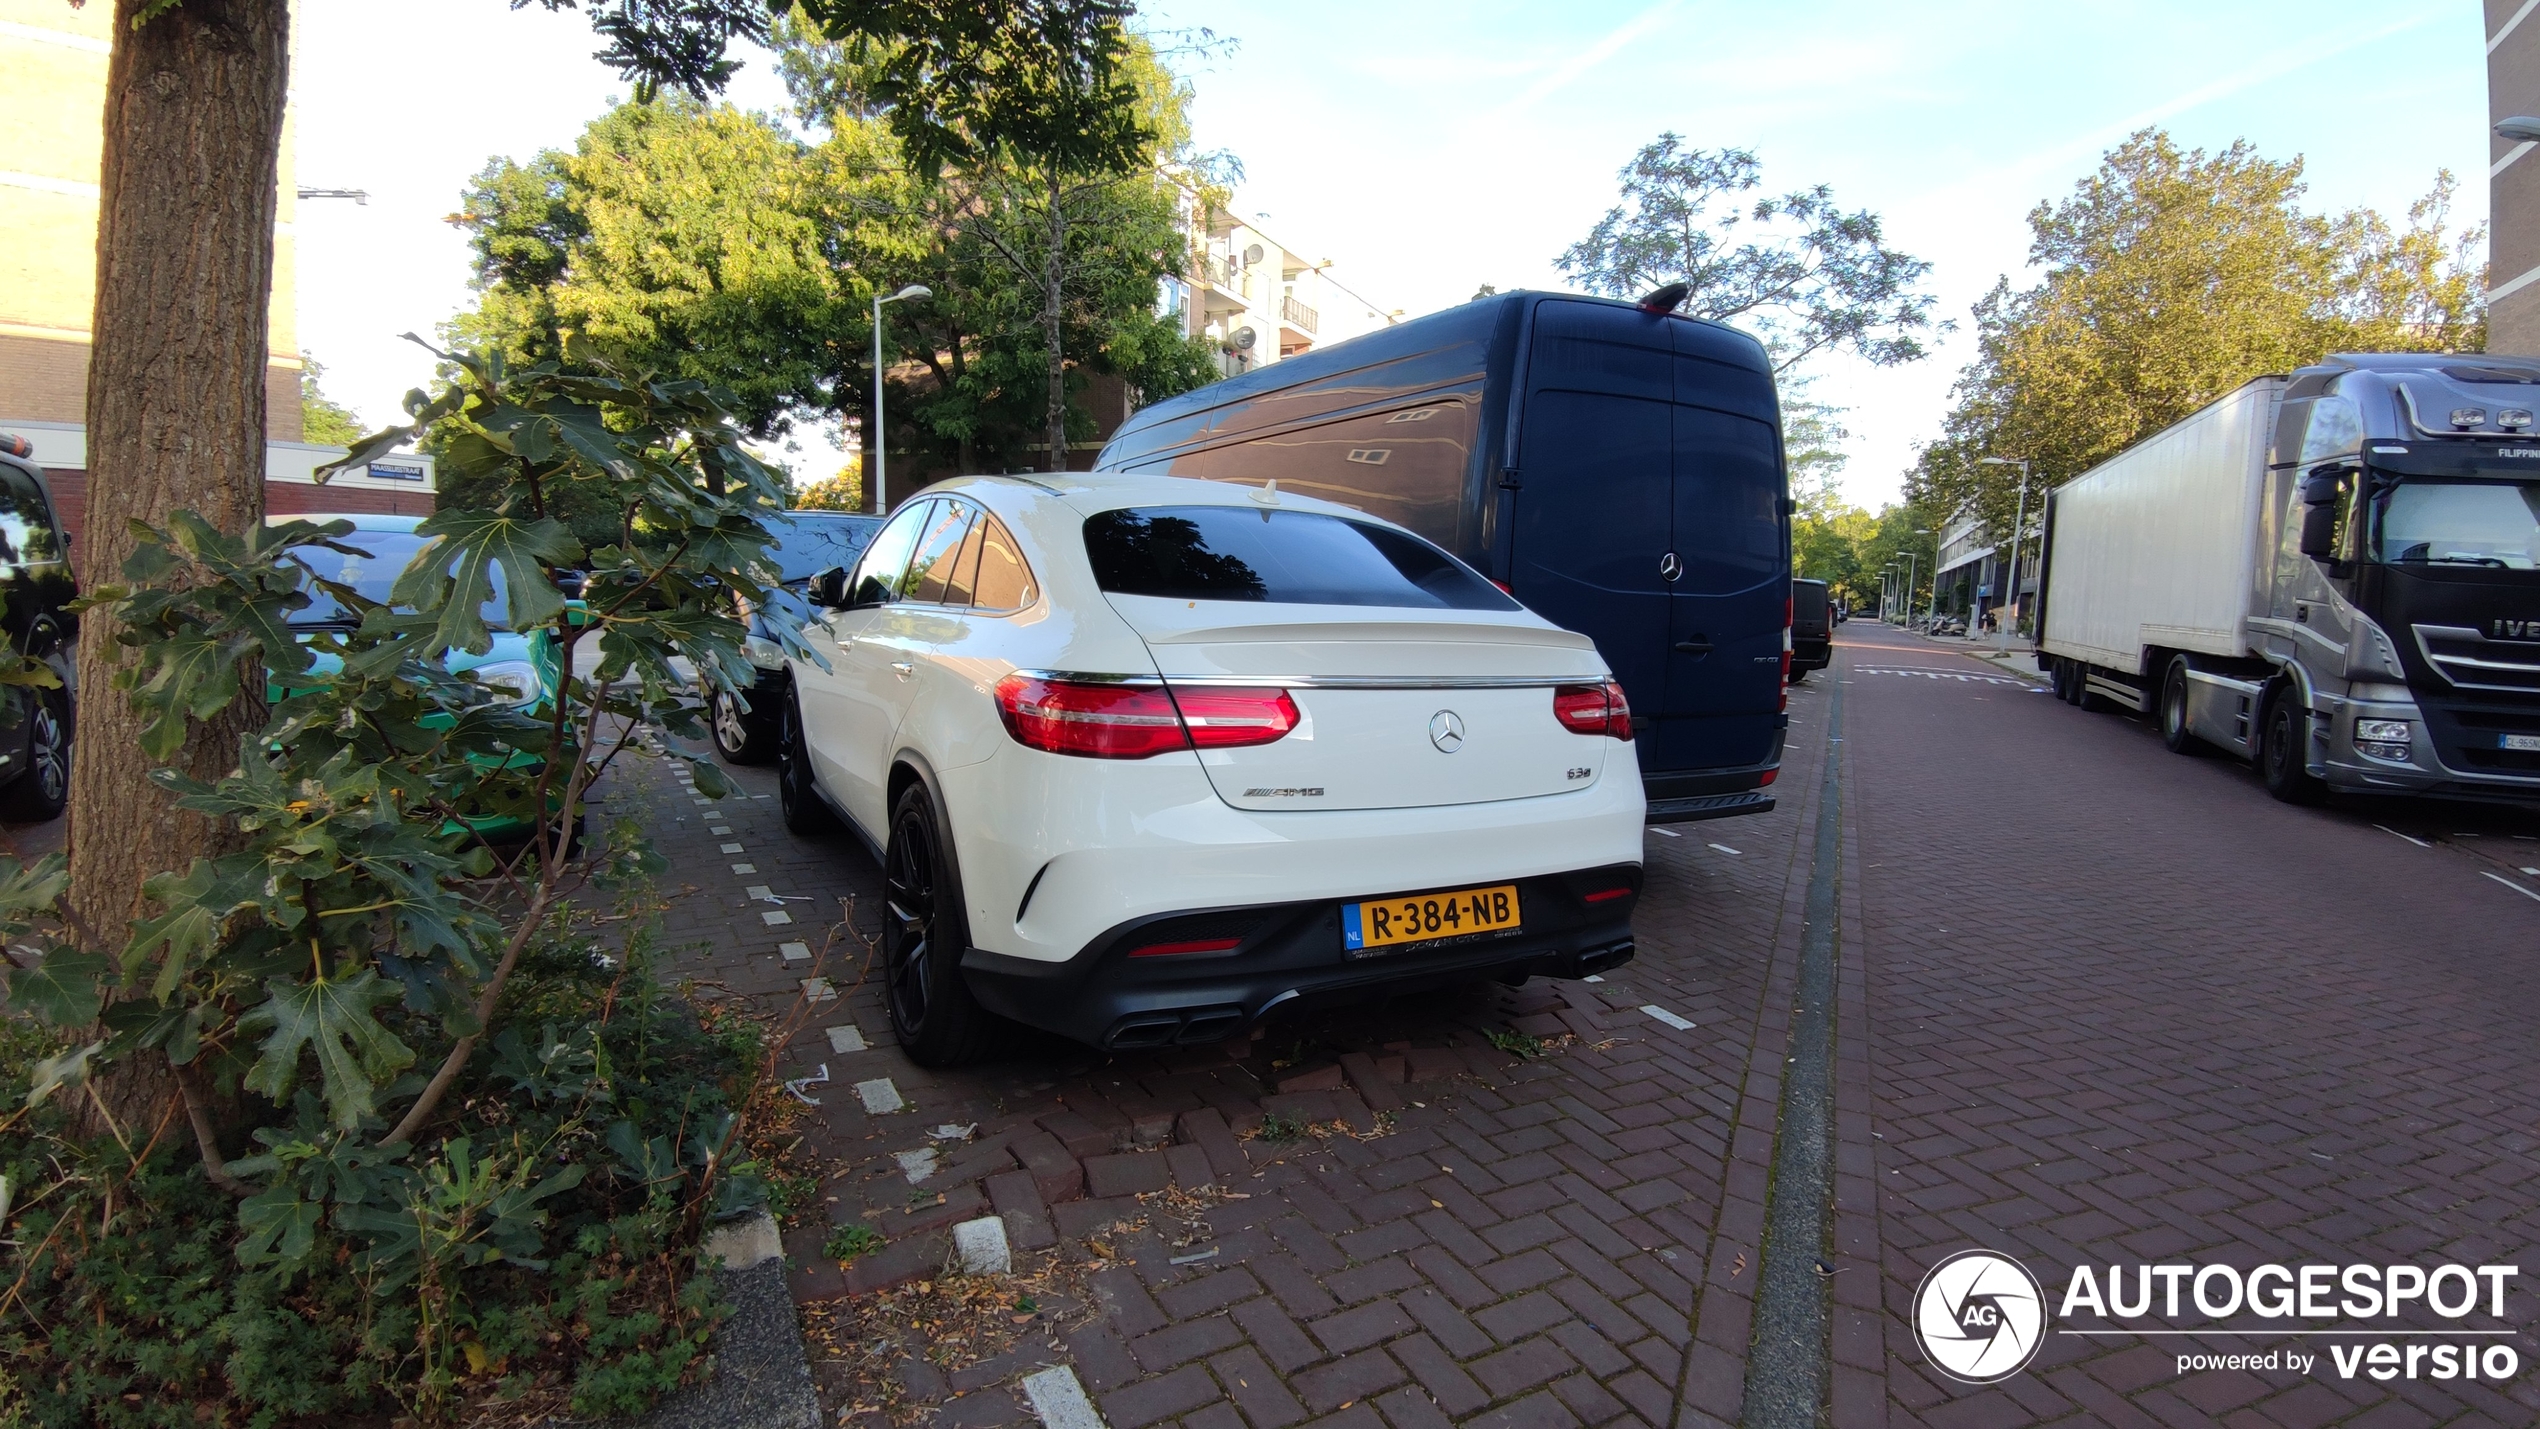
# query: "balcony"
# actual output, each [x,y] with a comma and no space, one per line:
[1298,316]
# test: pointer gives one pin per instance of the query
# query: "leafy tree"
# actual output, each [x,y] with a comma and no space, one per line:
[2171,277]
[324,420]
[195,94]
[842,492]
[1809,276]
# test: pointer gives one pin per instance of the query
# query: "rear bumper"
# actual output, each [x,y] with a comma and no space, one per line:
[1290,956]
[1690,795]
[1811,652]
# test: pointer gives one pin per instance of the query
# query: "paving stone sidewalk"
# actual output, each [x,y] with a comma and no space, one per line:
[1537,1206]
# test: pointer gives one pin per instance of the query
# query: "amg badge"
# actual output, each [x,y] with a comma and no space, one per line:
[1315,793]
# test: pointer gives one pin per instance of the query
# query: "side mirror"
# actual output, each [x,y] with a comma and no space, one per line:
[2320,487]
[828,590]
[2319,531]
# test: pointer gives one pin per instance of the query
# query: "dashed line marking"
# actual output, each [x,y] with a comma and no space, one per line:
[1667,833]
[2509,883]
[1724,848]
[1671,1019]
[2394,833]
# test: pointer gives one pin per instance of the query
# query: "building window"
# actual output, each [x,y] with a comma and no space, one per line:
[1172,297]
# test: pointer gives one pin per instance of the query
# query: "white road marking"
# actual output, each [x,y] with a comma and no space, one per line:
[1667,833]
[2533,872]
[2394,833]
[1667,1017]
[1724,848]
[2509,883]
[1593,977]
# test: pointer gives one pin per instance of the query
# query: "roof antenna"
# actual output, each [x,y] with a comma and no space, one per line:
[1268,495]
[1666,299]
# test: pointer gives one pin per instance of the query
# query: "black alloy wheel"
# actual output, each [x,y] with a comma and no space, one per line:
[924,934]
[43,787]
[2282,758]
[2174,730]
[743,736]
[795,797]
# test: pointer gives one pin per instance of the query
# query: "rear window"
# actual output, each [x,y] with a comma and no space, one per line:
[1282,557]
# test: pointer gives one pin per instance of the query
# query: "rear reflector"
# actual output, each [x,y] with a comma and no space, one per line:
[1769,776]
[1196,945]
[1593,709]
[1607,895]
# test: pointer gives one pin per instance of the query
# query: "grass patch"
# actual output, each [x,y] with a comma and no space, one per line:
[851,1240]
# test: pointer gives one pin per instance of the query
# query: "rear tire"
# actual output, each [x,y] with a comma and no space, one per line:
[2284,738]
[924,933]
[751,736]
[795,796]
[2082,698]
[43,787]
[2174,730]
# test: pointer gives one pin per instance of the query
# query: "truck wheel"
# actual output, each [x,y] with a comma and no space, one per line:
[2082,698]
[2174,731]
[2060,679]
[2283,751]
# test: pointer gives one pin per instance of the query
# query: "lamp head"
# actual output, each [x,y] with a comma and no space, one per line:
[2522,129]
[911,292]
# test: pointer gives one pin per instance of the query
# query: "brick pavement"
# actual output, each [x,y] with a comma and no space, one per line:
[2122,1006]
[1566,1240]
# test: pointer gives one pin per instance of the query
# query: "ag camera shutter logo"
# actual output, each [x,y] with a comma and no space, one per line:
[1979,1316]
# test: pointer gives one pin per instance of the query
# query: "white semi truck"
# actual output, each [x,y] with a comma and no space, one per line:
[2334,574]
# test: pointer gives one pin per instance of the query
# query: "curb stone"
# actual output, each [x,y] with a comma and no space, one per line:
[761,1378]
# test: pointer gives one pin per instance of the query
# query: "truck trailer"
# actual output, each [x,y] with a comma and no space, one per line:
[2335,575]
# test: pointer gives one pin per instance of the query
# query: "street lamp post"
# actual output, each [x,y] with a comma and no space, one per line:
[881,463]
[2019,531]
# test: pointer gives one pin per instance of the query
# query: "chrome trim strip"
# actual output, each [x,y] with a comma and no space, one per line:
[1393,682]
[1322,682]
[2455,668]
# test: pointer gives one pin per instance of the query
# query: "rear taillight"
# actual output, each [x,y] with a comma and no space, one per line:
[1769,776]
[1235,717]
[1607,895]
[1593,709]
[1100,721]
[1095,721]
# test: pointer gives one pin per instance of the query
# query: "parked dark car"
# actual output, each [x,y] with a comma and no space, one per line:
[807,543]
[1615,466]
[1811,628]
[36,726]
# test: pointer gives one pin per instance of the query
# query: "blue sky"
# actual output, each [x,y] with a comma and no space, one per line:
[1428,149]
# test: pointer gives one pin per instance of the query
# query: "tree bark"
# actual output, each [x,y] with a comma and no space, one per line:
[176,406]
[1053,294]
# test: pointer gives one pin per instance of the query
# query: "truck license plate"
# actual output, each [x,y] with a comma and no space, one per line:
[1428,917]
[2530,742]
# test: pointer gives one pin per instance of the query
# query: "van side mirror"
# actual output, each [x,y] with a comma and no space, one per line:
[828,590]
[2320,487]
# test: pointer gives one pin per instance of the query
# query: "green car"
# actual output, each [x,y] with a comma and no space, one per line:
[525,666]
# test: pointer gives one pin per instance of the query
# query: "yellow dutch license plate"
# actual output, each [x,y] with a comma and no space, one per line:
[1428,917]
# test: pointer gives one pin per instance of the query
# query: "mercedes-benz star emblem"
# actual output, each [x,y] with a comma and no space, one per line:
[1670,567]
[1446,731]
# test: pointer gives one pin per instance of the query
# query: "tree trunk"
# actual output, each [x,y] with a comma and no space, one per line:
[1053,286]
[176,406]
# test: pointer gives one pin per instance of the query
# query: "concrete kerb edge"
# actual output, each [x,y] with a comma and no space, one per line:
[762,1379]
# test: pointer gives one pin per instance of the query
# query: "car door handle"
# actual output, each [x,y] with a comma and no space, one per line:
[1698,645]
[903,668]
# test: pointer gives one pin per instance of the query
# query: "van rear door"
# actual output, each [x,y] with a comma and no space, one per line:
[1724,677]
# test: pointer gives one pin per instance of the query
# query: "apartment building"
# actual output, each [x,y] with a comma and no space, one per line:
[1259,300]
[51,143]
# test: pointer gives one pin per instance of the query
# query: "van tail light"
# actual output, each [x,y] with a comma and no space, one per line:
[1104,721]
[1769,776]
[1503,589]
[1235,717]
[1593,709]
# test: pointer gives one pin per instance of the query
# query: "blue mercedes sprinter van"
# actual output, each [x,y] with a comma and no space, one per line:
[1616,467]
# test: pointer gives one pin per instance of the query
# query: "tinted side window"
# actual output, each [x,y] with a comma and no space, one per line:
[1004,582]
[879,576]
[26,528]
[1407,466]
[930,575]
